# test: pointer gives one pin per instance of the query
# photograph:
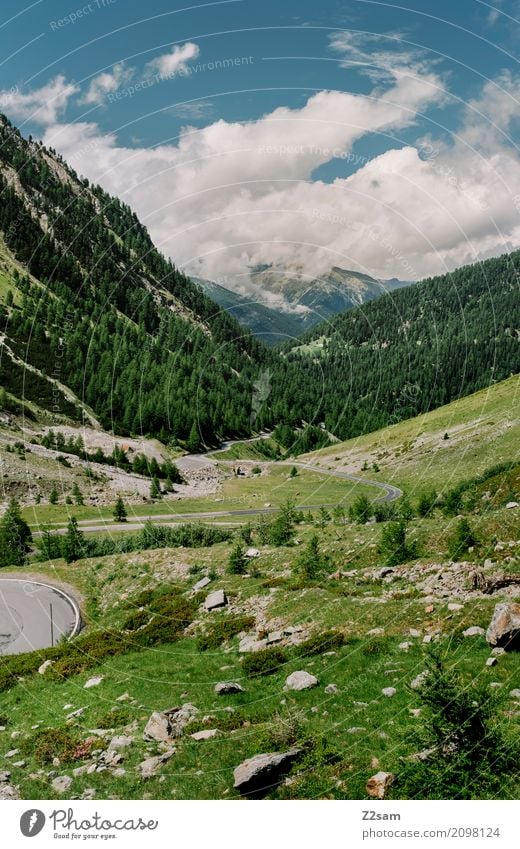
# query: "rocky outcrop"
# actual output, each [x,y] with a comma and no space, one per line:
[504,628]
[256,776]
[378,784]
[226,688]
[166,726]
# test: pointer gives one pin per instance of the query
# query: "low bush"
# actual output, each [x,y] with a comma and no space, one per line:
[264,662]
[53,743]
[224,629]
[319,643]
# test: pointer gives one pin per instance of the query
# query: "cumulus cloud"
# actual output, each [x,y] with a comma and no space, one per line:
[233,196]
[175,62]
[105,83]
[41,106]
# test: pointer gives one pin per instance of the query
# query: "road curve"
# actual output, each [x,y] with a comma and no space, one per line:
[391,493]
[34,615]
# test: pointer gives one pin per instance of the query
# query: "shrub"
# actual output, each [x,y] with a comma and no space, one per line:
[114,718]
[318,643]
[222,630]
[312,562]
[237,562]
[426,503]
[472,754]
[53,743]
[264,662]
[462,539]
[393,545]
[361,510]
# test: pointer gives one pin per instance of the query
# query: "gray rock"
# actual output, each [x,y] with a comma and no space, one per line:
[389,692]
[215,600]
[474,631]
[45,666]
[378,784]
[300,680]
[419,680]
[256,776]
[251,644]
[8,792]
[120,742]
[11,753]
[201,584]
[62,783]
[331,689]
[5,775]
[149,767]
[93,682]
[225,688]
[206,734]
[515,694]
[504,628]
[252,552]
[491,661]
[164,727]
[511,504]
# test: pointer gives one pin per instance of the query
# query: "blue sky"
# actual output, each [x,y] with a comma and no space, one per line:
[169,104]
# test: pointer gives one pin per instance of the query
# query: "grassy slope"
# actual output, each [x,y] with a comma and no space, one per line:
[483,430]
[264,715]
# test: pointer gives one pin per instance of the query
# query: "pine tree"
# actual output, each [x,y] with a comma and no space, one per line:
[237,562]
[120,513]
[53,497]
[73,544]
[193,441]
[15,536]
[155,488]
[78,497]
[312,562]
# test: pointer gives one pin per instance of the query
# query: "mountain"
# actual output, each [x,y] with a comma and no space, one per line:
[409,351]
[323,297]
[96,322]
[271,326]
[300,302]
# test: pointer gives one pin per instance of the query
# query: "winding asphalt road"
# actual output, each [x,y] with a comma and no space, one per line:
[391,493]
[34,615]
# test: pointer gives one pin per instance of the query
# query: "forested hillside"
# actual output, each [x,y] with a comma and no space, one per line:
[409,351]
[102,311]
[89,305]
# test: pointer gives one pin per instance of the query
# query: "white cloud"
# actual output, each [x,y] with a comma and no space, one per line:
[175,62]
[105,83]
[41,106]
[193,111]
[231,196]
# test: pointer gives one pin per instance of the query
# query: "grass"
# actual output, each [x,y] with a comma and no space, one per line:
[274,487]
[483,430]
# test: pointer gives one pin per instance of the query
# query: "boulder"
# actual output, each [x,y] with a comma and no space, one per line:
[515,694]
[251,644]
[300,680]
[225,688]
[121,742]
[201,584]
[164,727]
[389,692]
[331,689]
[378,784]
[149,767]
[511,504]
[206,734]
[474,631]
[93,682]
[215,600]
[7,791]
[257,776]
[252,552]
[45,666]
[62,783]
[504,628]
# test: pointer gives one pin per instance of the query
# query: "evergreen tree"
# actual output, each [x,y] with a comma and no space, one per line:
[78,497]
[237,563]
[53,497]
[312,563]
[193,442]
[120,513]
[393,544]
[15,536]
[361,510]
[73,544]
[462,540]
[155,488]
